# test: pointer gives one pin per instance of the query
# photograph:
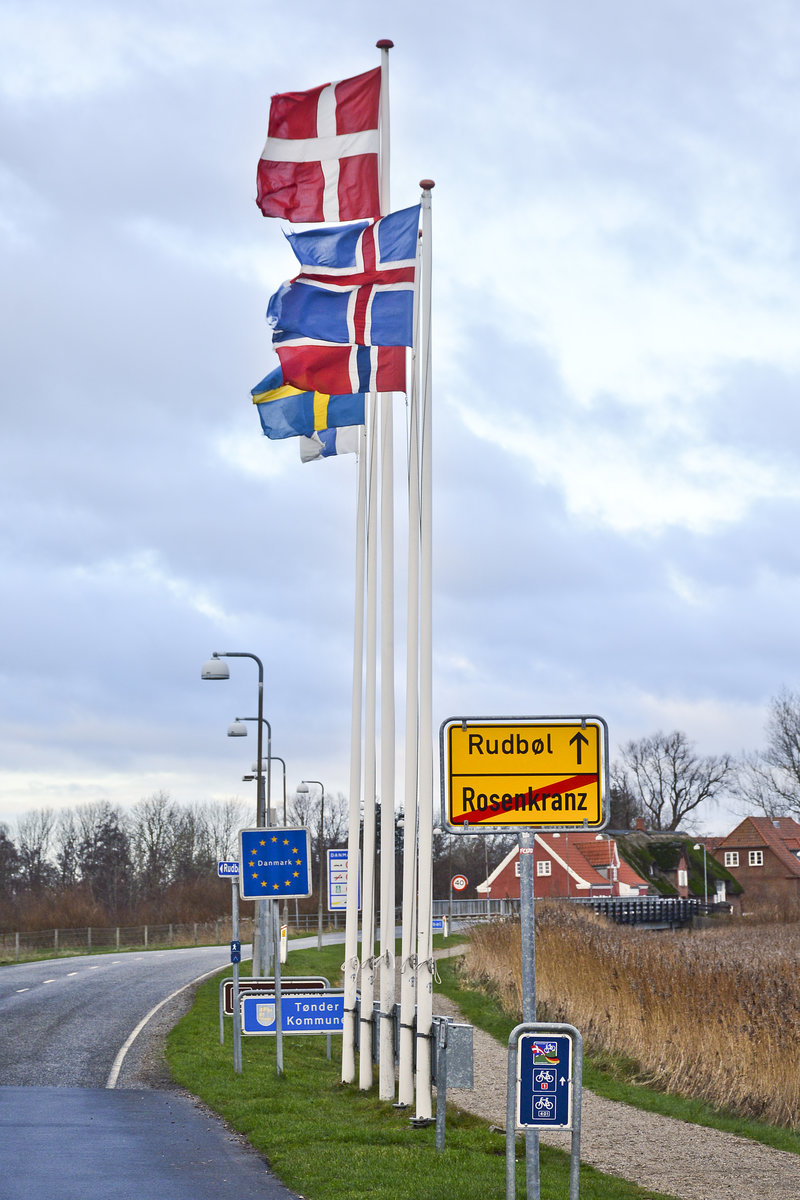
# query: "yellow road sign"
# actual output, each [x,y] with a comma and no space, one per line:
[540,773]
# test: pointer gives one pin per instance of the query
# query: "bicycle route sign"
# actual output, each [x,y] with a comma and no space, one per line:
[544,1076]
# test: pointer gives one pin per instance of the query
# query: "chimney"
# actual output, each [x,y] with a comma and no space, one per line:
[638,824]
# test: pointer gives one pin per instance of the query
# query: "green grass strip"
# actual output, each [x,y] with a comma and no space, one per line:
[329,1141]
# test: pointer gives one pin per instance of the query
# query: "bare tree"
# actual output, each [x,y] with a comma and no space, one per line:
[153,822]
[67,836]
[34,834]
[9,865]
[664,775]
[769,780]
[223,820]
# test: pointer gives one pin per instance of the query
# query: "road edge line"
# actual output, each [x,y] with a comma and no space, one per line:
[113,1075]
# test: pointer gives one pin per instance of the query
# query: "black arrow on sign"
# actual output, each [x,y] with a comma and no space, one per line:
[579,738]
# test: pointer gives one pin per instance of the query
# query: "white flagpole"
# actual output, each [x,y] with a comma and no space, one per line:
[425,967]
[387,884]
[408,973]
[353,869]
[368,865]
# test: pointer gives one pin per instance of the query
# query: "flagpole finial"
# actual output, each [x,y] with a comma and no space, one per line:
[426,184]
[384,44]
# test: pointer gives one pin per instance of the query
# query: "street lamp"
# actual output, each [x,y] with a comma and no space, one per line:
[702,846]
[216,669]
[302,790]
[238,729]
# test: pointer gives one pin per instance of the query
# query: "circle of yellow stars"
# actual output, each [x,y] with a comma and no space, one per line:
[295,874]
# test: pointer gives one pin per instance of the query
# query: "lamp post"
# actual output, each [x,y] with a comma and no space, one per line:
[702,846]
[239,729]
[302,790]
[216,669]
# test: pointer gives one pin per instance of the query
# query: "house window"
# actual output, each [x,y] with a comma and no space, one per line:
[755,858]
[543,868]
[731,858]
[683,877]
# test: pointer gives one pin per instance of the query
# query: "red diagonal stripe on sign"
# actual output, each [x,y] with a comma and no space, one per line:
[558,786]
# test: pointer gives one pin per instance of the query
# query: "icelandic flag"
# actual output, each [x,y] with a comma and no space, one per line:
[320,161]
[333,368]
[356,285]
[325,443]
[287,411]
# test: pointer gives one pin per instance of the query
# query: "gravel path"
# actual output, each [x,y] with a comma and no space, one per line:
[683,1160]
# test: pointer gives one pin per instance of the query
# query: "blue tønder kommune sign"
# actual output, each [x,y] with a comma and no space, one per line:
[311,1012]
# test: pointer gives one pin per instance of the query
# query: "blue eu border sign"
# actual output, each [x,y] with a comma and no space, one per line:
[544,1067]
[274,862]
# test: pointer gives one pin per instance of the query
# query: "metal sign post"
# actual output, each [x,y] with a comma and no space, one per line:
[237,1022]
[545,1077]
[276,862]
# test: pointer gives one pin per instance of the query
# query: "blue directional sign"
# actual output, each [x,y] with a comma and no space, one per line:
[339,876]
[227,870]
[310,1012]
[544,1067]
[274,862]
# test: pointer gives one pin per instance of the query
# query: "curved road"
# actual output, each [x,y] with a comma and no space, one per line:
[79,1115]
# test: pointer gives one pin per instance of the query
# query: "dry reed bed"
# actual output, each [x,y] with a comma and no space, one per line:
[712,1013]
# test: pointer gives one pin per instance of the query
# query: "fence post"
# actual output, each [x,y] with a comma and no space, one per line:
[145,937]
[171,937]
[16,945]
[118,937]
[89,937]
[195,933]
[55,939]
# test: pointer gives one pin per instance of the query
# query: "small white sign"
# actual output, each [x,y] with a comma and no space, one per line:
[228,870]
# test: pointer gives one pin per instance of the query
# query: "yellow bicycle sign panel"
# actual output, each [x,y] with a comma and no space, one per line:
[543,772]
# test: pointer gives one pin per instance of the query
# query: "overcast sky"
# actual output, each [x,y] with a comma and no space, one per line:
[616,369]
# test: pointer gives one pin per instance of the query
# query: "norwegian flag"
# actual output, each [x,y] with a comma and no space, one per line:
[320,160]
[329,367]
[356,286]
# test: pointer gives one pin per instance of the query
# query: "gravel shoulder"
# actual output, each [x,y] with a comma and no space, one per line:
[687,1161]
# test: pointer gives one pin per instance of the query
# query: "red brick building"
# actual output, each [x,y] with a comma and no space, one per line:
[576,864]
[764,856]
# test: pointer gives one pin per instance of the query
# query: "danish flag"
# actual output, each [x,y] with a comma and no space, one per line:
[320,160]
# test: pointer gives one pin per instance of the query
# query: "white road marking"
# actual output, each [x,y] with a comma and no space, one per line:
[111,1082]
[70,973]
[48,981]
[23,990]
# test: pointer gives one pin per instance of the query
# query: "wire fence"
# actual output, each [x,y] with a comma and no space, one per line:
[22,943]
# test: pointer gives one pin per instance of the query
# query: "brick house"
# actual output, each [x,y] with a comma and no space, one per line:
[574,865]
[763,854]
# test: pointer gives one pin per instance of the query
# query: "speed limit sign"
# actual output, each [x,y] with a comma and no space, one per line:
[459,882]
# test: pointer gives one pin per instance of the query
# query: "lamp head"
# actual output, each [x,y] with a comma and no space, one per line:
[302,788]
[237,729]
[215,668]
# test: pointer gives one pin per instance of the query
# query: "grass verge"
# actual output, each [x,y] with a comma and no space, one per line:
[329,1141]
[614,1077]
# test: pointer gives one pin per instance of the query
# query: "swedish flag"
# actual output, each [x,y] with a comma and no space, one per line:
[287,411]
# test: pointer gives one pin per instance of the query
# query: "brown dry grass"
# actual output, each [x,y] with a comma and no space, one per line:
[712,1013]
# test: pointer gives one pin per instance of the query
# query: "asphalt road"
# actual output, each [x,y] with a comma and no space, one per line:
[86,1108]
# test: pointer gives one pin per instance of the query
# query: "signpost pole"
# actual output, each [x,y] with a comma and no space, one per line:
[276,931]
[528,933]
[237,1016]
